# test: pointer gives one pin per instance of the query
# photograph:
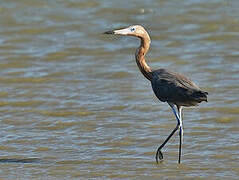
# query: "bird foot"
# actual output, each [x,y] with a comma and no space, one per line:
[159,156]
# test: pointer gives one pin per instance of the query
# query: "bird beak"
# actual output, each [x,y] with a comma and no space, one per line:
[125,31]
[109,32]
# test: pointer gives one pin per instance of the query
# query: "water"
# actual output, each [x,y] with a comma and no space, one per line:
[74,105]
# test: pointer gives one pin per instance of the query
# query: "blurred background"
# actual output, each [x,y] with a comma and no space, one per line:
[73,103]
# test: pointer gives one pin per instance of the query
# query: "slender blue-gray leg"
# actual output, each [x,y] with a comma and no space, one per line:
[159,154]
[180,133]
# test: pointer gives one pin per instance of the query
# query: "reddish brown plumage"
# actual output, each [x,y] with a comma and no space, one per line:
[170,87]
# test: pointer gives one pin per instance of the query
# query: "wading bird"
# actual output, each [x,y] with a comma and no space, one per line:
[175,89]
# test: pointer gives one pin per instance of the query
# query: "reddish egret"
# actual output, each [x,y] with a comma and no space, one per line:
[175,89]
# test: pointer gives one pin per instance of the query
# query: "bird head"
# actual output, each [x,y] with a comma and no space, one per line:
[135,30]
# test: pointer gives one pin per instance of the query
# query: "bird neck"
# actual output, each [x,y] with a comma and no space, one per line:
[140,57]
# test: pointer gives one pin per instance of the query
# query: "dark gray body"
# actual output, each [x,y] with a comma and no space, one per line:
[175,88]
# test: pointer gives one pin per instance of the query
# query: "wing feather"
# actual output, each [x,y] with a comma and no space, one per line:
[176,88]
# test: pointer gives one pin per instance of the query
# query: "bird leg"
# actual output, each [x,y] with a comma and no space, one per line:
[180,133]
[180,144]
[159,154]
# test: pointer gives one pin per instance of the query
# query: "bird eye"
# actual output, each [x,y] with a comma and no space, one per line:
[132,29]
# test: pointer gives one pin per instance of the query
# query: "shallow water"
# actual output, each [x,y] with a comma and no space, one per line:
[74,105]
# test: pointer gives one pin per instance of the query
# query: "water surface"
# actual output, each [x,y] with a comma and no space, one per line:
[74,105]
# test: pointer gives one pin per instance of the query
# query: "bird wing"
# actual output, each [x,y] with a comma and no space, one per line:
[176,88]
